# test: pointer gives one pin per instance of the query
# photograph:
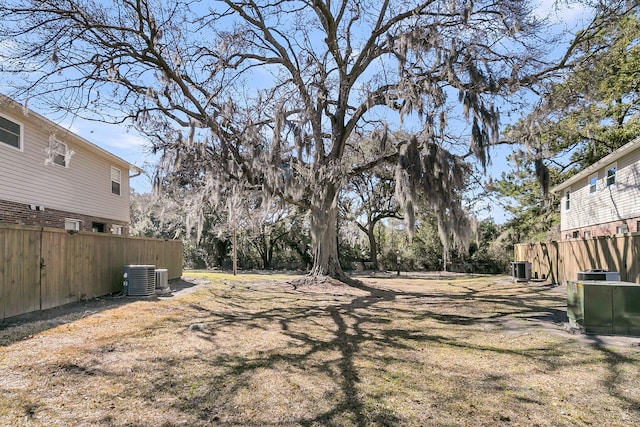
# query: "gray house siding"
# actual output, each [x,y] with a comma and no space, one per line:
[83,187]
[609,209]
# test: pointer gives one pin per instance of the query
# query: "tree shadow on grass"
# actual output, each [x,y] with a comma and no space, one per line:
[328,337]
[351,321]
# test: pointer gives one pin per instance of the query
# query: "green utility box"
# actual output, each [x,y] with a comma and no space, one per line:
[604,307]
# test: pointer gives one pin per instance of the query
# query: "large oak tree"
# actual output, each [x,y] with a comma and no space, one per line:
[242,95]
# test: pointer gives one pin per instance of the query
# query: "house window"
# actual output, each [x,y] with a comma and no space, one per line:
[587,234]
[576,234]
[611,174]
[10,133]
[116,180]
[622,229]
[593,183]
[58,152]
[116,229]
[567,200]
[98,227]
[72,224]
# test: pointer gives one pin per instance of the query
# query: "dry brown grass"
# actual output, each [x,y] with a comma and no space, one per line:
[257,350]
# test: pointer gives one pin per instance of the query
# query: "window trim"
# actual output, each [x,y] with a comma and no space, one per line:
[55,141]
[117,229]
[567,199]
[622,229]
[20,136]
[593,187]
[119,181]
[614,167]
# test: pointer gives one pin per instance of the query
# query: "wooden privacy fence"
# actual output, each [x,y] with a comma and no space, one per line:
[42,268]
[560,262]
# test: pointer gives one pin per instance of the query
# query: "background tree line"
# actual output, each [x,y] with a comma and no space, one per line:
[280,240]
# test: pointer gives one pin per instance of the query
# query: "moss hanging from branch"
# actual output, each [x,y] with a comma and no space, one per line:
[427,171]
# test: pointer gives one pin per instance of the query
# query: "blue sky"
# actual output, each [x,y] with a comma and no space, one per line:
[129,145]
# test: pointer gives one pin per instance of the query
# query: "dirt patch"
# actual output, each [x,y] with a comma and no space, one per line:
[257,350]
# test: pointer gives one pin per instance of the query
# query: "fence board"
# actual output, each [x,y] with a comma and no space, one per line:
[560,262]
[13,253]
[74,266]
[30,272]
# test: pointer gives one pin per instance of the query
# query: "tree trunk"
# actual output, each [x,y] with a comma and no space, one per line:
[324,235]
[445,256]
[268,261]
[235,252]
[373,246]
[265,260]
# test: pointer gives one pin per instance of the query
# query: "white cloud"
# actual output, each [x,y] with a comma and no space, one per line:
[108,136]
[123,140]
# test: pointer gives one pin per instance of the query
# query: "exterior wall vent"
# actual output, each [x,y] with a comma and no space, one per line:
[141,279]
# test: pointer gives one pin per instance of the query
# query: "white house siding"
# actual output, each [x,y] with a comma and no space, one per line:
[83,187]
[608,204]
